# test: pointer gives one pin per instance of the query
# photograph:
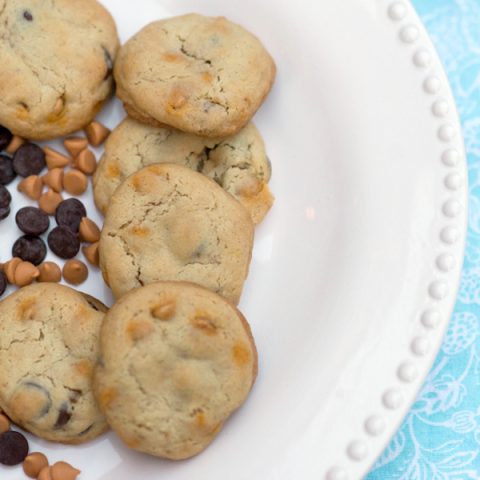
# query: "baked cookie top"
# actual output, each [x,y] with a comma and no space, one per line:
[48,348]
[199,74]
[167,222]
[238,163]
[57,60]
[177,360]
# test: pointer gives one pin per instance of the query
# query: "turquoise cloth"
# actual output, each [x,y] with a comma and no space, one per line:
[440,438]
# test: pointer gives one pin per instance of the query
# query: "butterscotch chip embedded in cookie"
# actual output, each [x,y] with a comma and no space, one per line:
[48,348]
[237,163]
[168,381]
[56,65]
[199,74]
[167,222]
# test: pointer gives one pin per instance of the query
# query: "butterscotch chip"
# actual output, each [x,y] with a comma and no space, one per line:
[14,144]
[91,253]
[49,201]
[75,272]
[86,162]
[4,423]
[75,145]
[10,267]
[45,474]
[75,182]
[164,311]
[25,274]
[34,464]
[63,471]
[31,186]
[89,231]
[49,272]
[55,159]
[97,133]
[54,179]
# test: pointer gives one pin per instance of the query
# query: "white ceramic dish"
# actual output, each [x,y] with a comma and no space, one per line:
[356,267]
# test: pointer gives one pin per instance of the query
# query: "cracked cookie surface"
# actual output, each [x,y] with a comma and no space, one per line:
[176,361]
[49,343]
[167,222]
[238,163]
[57,59]
[199,74]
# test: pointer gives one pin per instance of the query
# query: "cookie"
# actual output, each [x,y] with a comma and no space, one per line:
[238,163]
[63,52]
[48,348]
[167,222]
[199,74]
[176,361]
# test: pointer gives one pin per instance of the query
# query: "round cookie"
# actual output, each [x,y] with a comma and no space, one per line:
[177,360]
[167,222]
[199,74]
[48,348]
[63,52]
[238,163]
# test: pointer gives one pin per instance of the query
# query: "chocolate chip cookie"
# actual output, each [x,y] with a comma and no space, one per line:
[167,222]
[238,163]
[48,348]
[176,361]
[63,52]
[199,74]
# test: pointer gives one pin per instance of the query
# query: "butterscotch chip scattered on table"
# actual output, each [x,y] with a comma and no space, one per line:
[4,423]
[45,474]
[86,162]
[25,274]
[55,159]
[10,267]
[31,186]
[96,133]
[63,471]
[49,201]
[208,366]
[89,231]
[75,182]
[34,463]
[91,253]
[74,145]
[75,272]
[49,272]
[14,144]
[54,179]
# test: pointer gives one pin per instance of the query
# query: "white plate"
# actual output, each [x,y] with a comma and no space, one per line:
[356,267]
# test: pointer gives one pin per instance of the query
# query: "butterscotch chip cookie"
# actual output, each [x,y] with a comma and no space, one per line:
[238,163]
[176,361]
[63,53]
[167,222]
[48,348]
[199,74]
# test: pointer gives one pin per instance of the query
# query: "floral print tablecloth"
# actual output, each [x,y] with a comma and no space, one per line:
[440,437]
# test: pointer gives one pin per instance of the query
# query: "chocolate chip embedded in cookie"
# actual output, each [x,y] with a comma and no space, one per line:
[237,163]
[208,363]
[48,347]
[167,222]
[199,74]
[63,55]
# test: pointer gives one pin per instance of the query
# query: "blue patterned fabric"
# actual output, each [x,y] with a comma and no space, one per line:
[440,438]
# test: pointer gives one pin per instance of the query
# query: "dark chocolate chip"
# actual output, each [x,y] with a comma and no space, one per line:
[3,283]
[5,197]
[69,214]
[64,416]
[27,15]
[13,448]
[108,62]
[32,220]
[28,160]
[7,173]
[4,212]
[30,249]
[5,137]
[63,242]
[46,393]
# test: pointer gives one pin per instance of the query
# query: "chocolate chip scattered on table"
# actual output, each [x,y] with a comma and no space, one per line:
[32,220]
[28,160]
[30,249]
[13,448]
[63,242]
